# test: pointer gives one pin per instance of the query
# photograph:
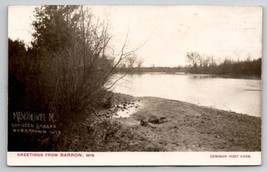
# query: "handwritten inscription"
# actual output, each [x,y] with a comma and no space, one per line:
[33,117]
[26,122]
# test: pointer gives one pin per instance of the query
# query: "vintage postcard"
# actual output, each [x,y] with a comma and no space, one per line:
[134,85]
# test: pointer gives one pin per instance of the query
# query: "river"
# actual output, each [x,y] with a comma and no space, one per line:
[238,95]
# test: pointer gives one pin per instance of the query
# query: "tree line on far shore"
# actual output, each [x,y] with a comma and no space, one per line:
[198,64]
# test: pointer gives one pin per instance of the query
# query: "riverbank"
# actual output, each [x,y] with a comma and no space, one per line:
[168,125]
[180,126]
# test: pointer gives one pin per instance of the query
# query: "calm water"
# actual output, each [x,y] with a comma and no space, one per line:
[239,95]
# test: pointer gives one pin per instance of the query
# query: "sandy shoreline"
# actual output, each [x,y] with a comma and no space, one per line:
[170,125]
[157,124]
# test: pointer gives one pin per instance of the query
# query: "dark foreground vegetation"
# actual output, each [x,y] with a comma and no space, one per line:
[60,79]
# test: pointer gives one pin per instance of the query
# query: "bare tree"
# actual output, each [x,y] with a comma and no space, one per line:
[140,63]
[194,59]
[131,61]
[77,67]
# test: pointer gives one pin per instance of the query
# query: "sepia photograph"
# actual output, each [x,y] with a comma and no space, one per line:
[107,81]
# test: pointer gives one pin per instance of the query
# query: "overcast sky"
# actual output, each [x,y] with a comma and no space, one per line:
[170,31]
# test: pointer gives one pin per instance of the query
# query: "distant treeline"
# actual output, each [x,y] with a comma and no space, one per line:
[149,69]
[206,65]
[231,68]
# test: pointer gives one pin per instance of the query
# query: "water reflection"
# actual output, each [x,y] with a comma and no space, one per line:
[239,95]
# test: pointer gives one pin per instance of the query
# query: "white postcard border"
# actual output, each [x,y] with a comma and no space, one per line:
[132,158]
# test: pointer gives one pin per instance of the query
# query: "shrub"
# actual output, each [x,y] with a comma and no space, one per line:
[65,71]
